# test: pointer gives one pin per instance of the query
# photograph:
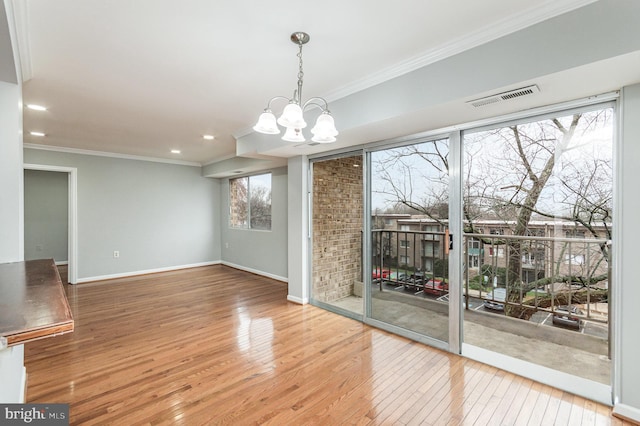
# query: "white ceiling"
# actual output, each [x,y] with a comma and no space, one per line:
[147,76]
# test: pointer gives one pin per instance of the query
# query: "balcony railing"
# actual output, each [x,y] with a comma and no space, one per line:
[569,278]
[412,258]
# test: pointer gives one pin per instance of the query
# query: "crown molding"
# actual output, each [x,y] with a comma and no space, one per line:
[486,34]
[21,21]
[109,154]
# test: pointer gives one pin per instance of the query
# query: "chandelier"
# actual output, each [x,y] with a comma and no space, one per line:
[292,118]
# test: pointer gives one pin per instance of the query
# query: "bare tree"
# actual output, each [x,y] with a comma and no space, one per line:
[550,168]
[414,179]
[260,207]
[537,169]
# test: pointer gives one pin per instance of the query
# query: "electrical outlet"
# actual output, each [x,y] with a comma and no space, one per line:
[226,245]
[116,253]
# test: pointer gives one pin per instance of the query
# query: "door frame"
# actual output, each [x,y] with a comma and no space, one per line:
[455,188]
[72,245]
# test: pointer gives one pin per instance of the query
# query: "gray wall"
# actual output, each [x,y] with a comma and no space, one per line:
[259,251]
[156,215]
[46,215]
[627,262]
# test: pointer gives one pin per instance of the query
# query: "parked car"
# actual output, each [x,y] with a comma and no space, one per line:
[436,287]
[495,299]
[398,277]
[417,277]
[565,316]
[415,281]
[377,274]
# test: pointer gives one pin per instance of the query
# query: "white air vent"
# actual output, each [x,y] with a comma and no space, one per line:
[506,96]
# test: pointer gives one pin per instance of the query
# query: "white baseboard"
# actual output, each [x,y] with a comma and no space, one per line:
[627,411]
[62,262]
[147,271]
[297,300]
[255,271]
[23,386]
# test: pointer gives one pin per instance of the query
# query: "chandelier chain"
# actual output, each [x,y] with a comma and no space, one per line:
[300,71]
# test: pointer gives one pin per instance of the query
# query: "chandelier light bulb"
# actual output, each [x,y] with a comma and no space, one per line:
[293,135]
[292,117]
[267,124]
[325,127]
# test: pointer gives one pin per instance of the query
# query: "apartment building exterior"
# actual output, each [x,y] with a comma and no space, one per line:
[550,248]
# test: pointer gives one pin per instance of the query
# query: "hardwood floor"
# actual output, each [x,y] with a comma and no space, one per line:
[215,345]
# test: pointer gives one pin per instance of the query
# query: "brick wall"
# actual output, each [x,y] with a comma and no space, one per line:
[337,225]
[238,202]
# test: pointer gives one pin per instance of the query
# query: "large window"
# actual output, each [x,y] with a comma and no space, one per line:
[250,202]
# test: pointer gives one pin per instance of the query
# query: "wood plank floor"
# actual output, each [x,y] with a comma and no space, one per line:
[215,345]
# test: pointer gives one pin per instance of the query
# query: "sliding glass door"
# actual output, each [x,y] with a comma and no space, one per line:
[493,242]
[409,277]
[537,203]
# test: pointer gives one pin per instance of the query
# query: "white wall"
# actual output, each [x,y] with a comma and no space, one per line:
[298,238]
[263,252]
[158,216]
[12,371]
[10,173]
[46,210]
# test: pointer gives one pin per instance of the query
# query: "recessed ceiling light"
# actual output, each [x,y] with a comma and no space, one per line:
[36,134]
[36,107]
[208,137]
[175,151]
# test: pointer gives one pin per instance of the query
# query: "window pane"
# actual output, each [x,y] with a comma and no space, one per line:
[411,184]
[238,191]
[537,286]
[260,196]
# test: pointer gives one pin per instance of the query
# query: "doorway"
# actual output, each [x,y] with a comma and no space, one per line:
[35,245]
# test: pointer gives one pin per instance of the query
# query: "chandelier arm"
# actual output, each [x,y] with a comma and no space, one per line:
[313,101]
[275,98]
